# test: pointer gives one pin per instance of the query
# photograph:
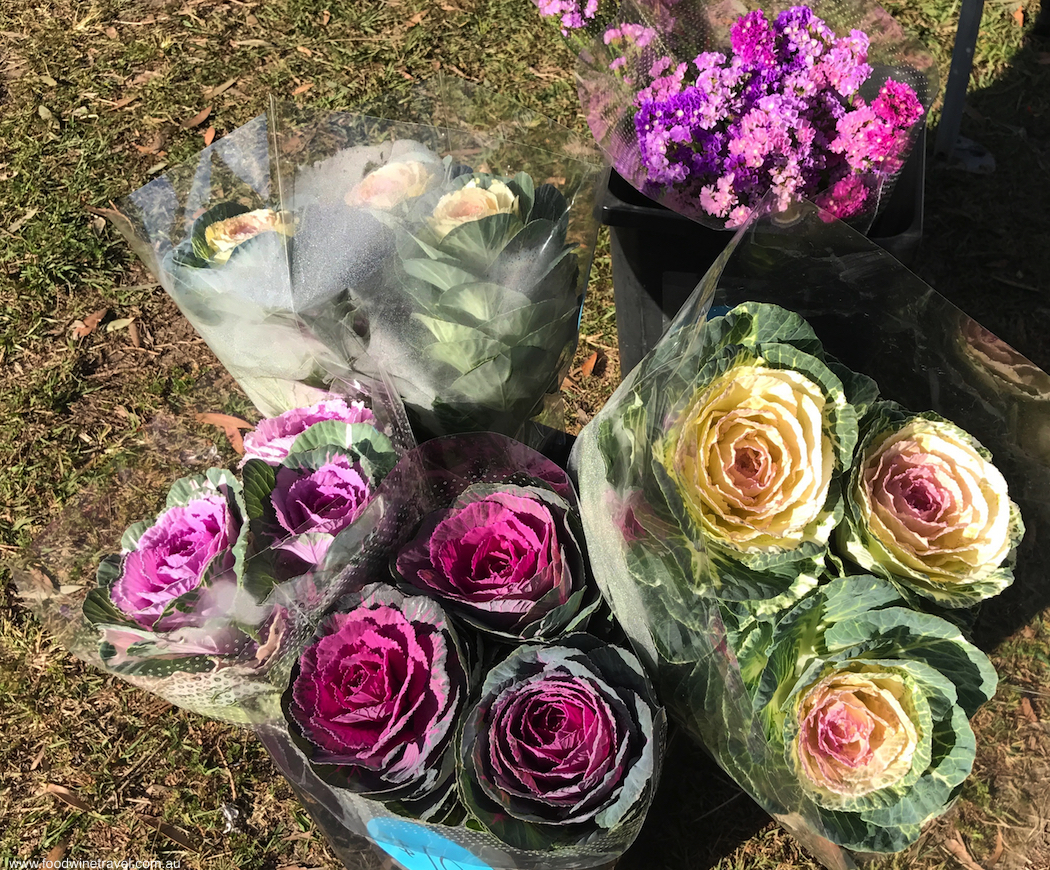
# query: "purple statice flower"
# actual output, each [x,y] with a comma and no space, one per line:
[666,79]
[779,114]
[629,39]
[867,142]
[845,198]
[753,40]
[897,105]
[634,34]
[718,199]
[571,15]
[844,68]
[274,436]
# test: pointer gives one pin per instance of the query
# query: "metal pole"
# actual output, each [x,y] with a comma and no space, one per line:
[958,77]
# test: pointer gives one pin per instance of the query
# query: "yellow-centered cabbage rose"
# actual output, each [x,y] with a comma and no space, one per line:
[471,203]
[225,235]
[935,504]
[752,462]
[856,734]
[391,185]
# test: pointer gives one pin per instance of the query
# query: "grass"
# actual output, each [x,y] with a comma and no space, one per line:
[95,100]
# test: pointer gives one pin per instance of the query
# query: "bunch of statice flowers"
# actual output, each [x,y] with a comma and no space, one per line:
[782,112]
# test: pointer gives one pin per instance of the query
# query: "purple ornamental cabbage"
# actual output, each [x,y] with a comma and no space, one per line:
[273,437]
[375,698]
[566,739]
[172,558]
[176,597]
[314,506]
[506,558]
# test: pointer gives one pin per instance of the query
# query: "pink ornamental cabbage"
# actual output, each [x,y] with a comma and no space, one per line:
[504,557]
[274,436]
[377,693]
[564,735]
[172,558]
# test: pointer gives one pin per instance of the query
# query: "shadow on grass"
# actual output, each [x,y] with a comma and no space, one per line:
[985,249]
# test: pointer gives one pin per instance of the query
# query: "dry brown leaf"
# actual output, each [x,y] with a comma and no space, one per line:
[197,119]
[21,222]
[302,89]
[1027,710]
[231,426]
[37,759]
[133,334]
[111,32]
[121,103]
[961,854]
[997,852]
[143,77]
[156,144]
[209,136]
[326,16]
[302,49]
[251,20]
[587,369]
[176,835]
[67,796]
[90,323]
[415,19]
[212,93]
[1019,16]
[56,854]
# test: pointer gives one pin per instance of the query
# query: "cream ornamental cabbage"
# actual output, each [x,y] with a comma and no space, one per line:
[223,236]
[928,509]
[752,460]
[856,733]
[471,202]
[867,702]
[741,452]
[392,184]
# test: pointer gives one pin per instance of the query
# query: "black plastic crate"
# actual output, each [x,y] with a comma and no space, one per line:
[658,256]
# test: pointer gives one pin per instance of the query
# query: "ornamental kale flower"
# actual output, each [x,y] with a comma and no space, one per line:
[867,701]
[331,459]
[392,184]
[173,557]
[314,506]
[750,449]
[274,436]
[485,308]
[565,741]
[221,230]
[507,558]
[176,597]
[375,698]
[927,509]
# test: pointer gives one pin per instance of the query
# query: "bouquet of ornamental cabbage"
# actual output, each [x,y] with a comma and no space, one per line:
[417,697]
[493,291]
[445,242]
[206,602]
[746,467]
[708,107]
